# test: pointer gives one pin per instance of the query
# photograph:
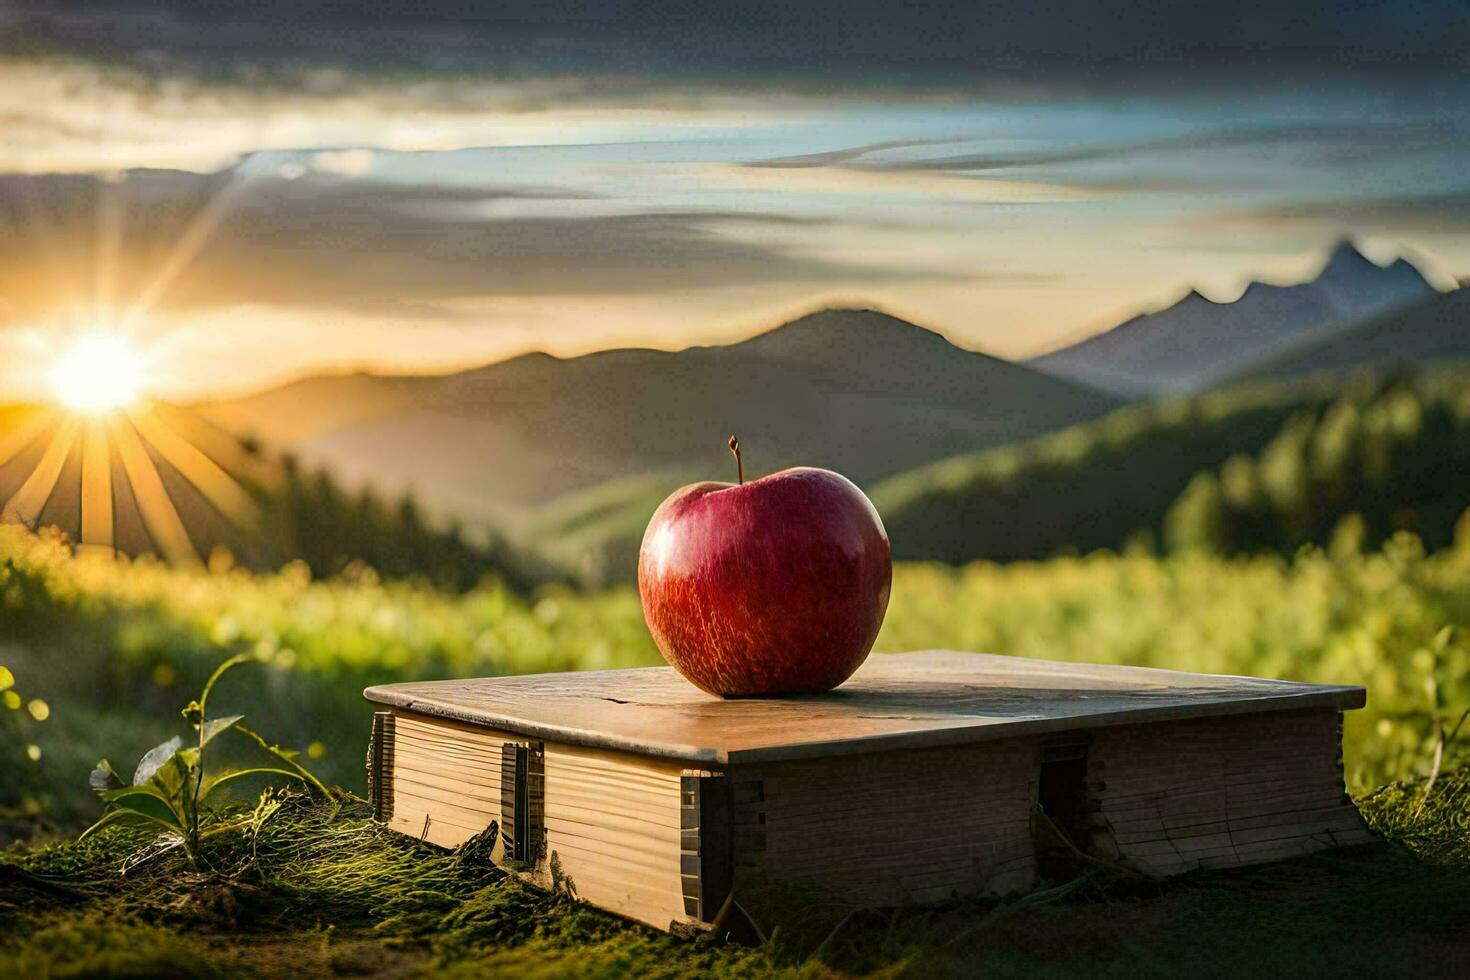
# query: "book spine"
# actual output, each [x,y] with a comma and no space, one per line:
[706,855]
[380,766]
[523,801]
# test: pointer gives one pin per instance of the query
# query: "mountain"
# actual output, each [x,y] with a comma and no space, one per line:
[858,391]
[1436,330]
[1197,342]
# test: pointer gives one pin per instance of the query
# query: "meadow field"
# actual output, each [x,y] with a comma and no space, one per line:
[103,654]
[99,657]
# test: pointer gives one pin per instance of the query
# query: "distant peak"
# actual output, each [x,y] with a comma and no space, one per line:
[1196,298]
[1346,258]
[843,313]
[843,320]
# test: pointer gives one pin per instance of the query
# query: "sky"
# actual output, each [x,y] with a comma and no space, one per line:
[253,194]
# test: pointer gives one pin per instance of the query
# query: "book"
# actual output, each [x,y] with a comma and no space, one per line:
[924,776]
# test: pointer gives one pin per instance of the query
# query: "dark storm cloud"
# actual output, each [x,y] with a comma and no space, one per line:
[328,241]
[1328,144]
[872,41]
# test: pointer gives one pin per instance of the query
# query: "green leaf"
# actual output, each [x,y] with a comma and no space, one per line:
[146,801]
[237,659]
[154,759]
[151,809]
[214,726]
[122,792]
[104,777]
[173,777]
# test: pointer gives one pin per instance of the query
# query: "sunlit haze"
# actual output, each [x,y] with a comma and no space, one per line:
[98,373]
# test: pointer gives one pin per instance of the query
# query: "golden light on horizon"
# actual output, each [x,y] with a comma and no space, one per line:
[98,373]
[150,472]
[94,454]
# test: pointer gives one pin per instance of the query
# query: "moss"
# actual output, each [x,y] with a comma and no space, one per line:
[97,946]
[305,888]
[1433,822]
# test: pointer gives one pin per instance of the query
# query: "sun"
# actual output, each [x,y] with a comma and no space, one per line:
[98,373]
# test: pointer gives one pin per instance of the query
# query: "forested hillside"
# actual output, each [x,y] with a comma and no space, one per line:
[309,517]
[1087,487]
[1262,467]
[1372,462]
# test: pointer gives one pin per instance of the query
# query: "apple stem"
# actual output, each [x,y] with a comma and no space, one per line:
[739,463]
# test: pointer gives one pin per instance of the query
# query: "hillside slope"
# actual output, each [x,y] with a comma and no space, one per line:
[1197,342]
[1378,459]
[1436,330]
[1268,466]
[854,390]
[1087,487]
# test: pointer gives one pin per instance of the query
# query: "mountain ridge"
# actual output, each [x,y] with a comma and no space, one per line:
[1196,341]
[855,390]
[1434,330]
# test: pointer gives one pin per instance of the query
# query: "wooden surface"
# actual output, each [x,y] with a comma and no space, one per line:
[445,779]
[894,827]
[611,819]
[1222,793]
[910,700]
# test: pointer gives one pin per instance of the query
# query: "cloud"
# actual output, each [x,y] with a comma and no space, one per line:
[846,156]
[323,240]
[74,115]
[1442,212]
[840,39]
[1322,144]
[347,163]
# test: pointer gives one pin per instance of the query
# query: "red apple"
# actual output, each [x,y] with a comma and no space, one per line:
[770,587]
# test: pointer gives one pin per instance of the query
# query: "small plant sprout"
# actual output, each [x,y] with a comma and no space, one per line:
[170,787]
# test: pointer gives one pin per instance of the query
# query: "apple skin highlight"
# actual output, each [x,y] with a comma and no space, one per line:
[777,586]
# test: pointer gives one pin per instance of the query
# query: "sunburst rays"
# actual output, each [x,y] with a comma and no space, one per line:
[116,474]
[28,503]
[97,518]
[65,472]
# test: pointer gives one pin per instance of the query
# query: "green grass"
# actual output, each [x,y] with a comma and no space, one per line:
[115,650]
[311,889]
